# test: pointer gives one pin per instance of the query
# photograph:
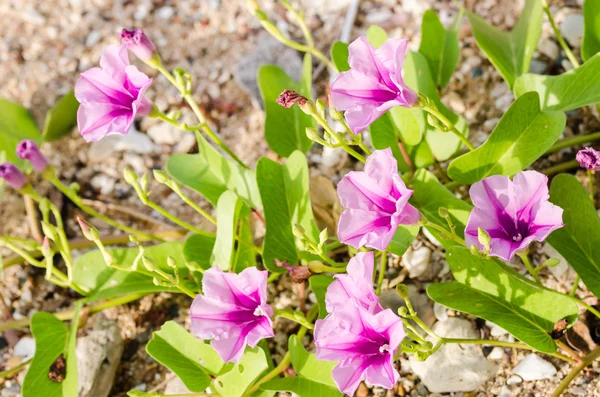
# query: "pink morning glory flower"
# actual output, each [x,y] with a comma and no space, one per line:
[111,95]
[29,150]
[514,213]
[138,43]
[233,311]
[589,158]
[357,284]
[363,342]
[375,202]
[374,83]
[12,175]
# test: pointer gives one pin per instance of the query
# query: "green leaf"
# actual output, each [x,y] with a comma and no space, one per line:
[523,135]
[285,195]
[339,55]
[376,36]
[440,46]
[91,272]
[591,29]
[485,289]
[403,238]
[510,52]
[228,212]
[285,129]
[579,240]
[182,353]
[300,386]
[16,124]
[429,195]
[61,119]
[318,285]
[211,174]
[52,340]
[235,382]
[245,256]
[198,249]
[571,90]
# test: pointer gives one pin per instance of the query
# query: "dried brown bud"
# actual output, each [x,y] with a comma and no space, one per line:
[288,98]
[298,274]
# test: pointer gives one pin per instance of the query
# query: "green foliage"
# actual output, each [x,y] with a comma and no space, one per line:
[198,249]
[52,340]
[61,119]
[571,90]
[591,29]
[228,213]
[285,129]
[339,55]
[16,124]
[579,240]
[440,46]
[403,238]
[510,52]
[376,36]
[90,271]
[318,285]
[211,174]
[235,382]
[285,195]
[487,289]
[523,135]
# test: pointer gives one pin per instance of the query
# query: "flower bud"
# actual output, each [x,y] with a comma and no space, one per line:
[149,264]
[312,134]
[589,159]
[298,231]
[443,212]
[137,42]
[49,230]
[89,231]
[29,150]
[171,263]
[298,274]
[551,262]
[484,239]
[160,176]
[130,176]
[402,290]
[316,267]
[46,249]
[12,175]
[289,98]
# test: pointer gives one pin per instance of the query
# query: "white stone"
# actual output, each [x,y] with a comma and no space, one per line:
[533,367]
[431,238]
[572,29]
[496,330]
[25,348]
[165,13]
[504,102]
[497,354]
[563,265]
[164,133]
[333,159]
[176,386]
[103,183]
[454,368]
[416,261]
[514,380]
[93,38]
[505,392]
[440,311]
[134,141]
[549,48]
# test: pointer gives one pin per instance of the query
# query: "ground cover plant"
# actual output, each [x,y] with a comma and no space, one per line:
[417,171]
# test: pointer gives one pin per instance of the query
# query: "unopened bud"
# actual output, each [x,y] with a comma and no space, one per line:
[475,251]
[29,150]
[160,176]
[49,230]
[402,290]
[316,267]
[551,262]
[443,212]
[46,249]
[89,231]
[130,176]
[298,231]
[149,264]
[144,182]
[403,311]
[320,107]
[171,262]
[312,134]
[484,239]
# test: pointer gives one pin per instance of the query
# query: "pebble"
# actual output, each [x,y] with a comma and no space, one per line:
[454,368]
[572,29]
[25,348]
[440,311]
[505,392]
[416,261]
[490,124]
[93,38]
[537,66]
[562,267]
[533,367]
[134,141]
[496,330]
[164,133]
[165,13]
[514,380]
[549,48]
[504,102]
[431,238]
[333,159]
[11,389]
[497,354]
[176,386]
[103,184]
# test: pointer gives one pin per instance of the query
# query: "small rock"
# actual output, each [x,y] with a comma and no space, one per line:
[431,238]
[563,265]
[504,102]
[496,330]
[25,348]
[134,141]
[572,29]
[10,389]
[578,391]
[186,143]
[176,386]
[454,368]
[490,124]
[537,66]
[455,102]
[499,90]
[497,354]
[165,134]
[93,38]
[98,357]
[549,48]
[333,159]
[505,392]
[514,380]
[533,367]
[417,261]
[103,184]
[165,13]
[440,311]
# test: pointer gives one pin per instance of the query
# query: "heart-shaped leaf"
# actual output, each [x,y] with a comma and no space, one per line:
[590,45]
[16,124]
[228,213]
[61,119]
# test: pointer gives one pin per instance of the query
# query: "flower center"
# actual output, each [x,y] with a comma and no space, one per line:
[384,348]
[517,238]
[259,311]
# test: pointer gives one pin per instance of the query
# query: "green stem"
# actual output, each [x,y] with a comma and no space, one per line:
[525,258]
[16,369]
[339,137]
[587,360]
[186,290]
[590,308]
[332,269]
[68,315]
[591,179]
[559,37]
[513,345]
[446,233]
[382,267]
[175,219]
[561,167]
[436,113]
[573,141]
[50,176]
[296,317]
[575,285]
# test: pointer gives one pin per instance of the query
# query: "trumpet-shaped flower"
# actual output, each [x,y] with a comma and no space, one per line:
[375,202]
[111,96]
[357,284]
[12,175]
[589,158]
[233,311]
[373,85]
[138,43]
[29,150]
[513,213]
[363,342]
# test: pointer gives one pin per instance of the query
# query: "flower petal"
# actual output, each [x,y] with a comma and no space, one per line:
[97,120]
[114,60]
[382,373]
[530,188]
[359,228]
[347,375]
[382,166]
[357,190]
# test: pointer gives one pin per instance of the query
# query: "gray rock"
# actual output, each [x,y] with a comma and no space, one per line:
[454,368]
[572,29]
[98,356]
[176,386]
[134,141]
[420,301]
[533,367]
[268,51]
[416,261]
[549,48]
[25,348]
[537,66]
